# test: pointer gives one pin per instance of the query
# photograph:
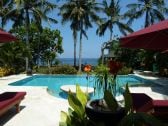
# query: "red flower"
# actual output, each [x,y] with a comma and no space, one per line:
[114,67]
[87,68]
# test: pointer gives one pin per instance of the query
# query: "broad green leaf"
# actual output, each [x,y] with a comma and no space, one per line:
[128,100]
[75,104]
[65,119]
[82,97]
[110,101]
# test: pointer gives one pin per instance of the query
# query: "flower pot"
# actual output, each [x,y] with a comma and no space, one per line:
[98,114]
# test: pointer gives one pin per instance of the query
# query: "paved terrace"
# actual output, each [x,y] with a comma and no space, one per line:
[37,109]
[41,109]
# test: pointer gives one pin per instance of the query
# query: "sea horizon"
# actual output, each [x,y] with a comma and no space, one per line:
[70,61]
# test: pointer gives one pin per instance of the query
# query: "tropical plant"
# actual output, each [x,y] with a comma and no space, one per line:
[27,10]
[63,69]
[81,13]
[4,71]
[153,10]
[112,11]
[12,56]
[50,43]
[76,115]
[105,77]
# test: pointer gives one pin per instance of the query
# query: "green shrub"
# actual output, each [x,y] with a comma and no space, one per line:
[125,70]
[42,70]
[4,71]
[63,69]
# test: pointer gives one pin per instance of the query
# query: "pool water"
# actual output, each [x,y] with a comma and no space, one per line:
[54,82]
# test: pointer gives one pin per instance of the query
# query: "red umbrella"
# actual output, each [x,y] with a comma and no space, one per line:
[6,37]
[154,37]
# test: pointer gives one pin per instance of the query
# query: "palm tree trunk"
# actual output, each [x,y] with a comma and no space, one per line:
[49,66]
[102,54]
[80,52]
[38,57]
[146,19]
[75,41]
[27,38]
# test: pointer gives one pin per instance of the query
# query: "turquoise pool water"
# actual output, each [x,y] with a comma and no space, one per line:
[54,82]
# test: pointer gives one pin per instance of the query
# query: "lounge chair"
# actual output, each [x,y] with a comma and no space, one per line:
[144,103]
[9,100]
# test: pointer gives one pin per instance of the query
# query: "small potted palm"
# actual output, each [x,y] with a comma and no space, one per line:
[106,110]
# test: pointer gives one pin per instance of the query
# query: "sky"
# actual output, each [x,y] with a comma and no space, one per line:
[91,48]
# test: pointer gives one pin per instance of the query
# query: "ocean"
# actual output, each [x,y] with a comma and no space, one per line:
[70,61]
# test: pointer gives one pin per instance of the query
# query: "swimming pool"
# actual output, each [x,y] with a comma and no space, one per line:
[54,82]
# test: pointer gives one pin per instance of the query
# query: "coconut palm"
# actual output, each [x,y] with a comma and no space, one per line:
[65,11]
[152,10]
[27,10]
[80,13]
[114,18]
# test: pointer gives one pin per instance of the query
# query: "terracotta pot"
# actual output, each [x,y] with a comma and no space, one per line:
[108,117]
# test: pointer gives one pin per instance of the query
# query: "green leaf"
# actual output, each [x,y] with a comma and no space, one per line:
[128,100]
[70,111]
[82,97]
[75,104]
[110,101]
[140,119]
[65,119]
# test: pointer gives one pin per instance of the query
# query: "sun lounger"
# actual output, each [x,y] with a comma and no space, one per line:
[144,103]
[9,100]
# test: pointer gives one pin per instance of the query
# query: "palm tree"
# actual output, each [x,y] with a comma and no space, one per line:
[112,11]
[65,11]
[81,13]
[27,10]
[153,10]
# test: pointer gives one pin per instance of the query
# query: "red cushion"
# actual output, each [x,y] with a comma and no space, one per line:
[141,102]
[160,106]
[160,103]
[8,98]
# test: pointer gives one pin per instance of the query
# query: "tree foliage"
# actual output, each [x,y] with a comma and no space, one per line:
[113,18]
[43,45]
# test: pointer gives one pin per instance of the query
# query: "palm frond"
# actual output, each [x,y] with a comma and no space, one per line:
[124,28]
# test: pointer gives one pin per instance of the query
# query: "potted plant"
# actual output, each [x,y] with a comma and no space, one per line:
[76,115]
[106,110]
